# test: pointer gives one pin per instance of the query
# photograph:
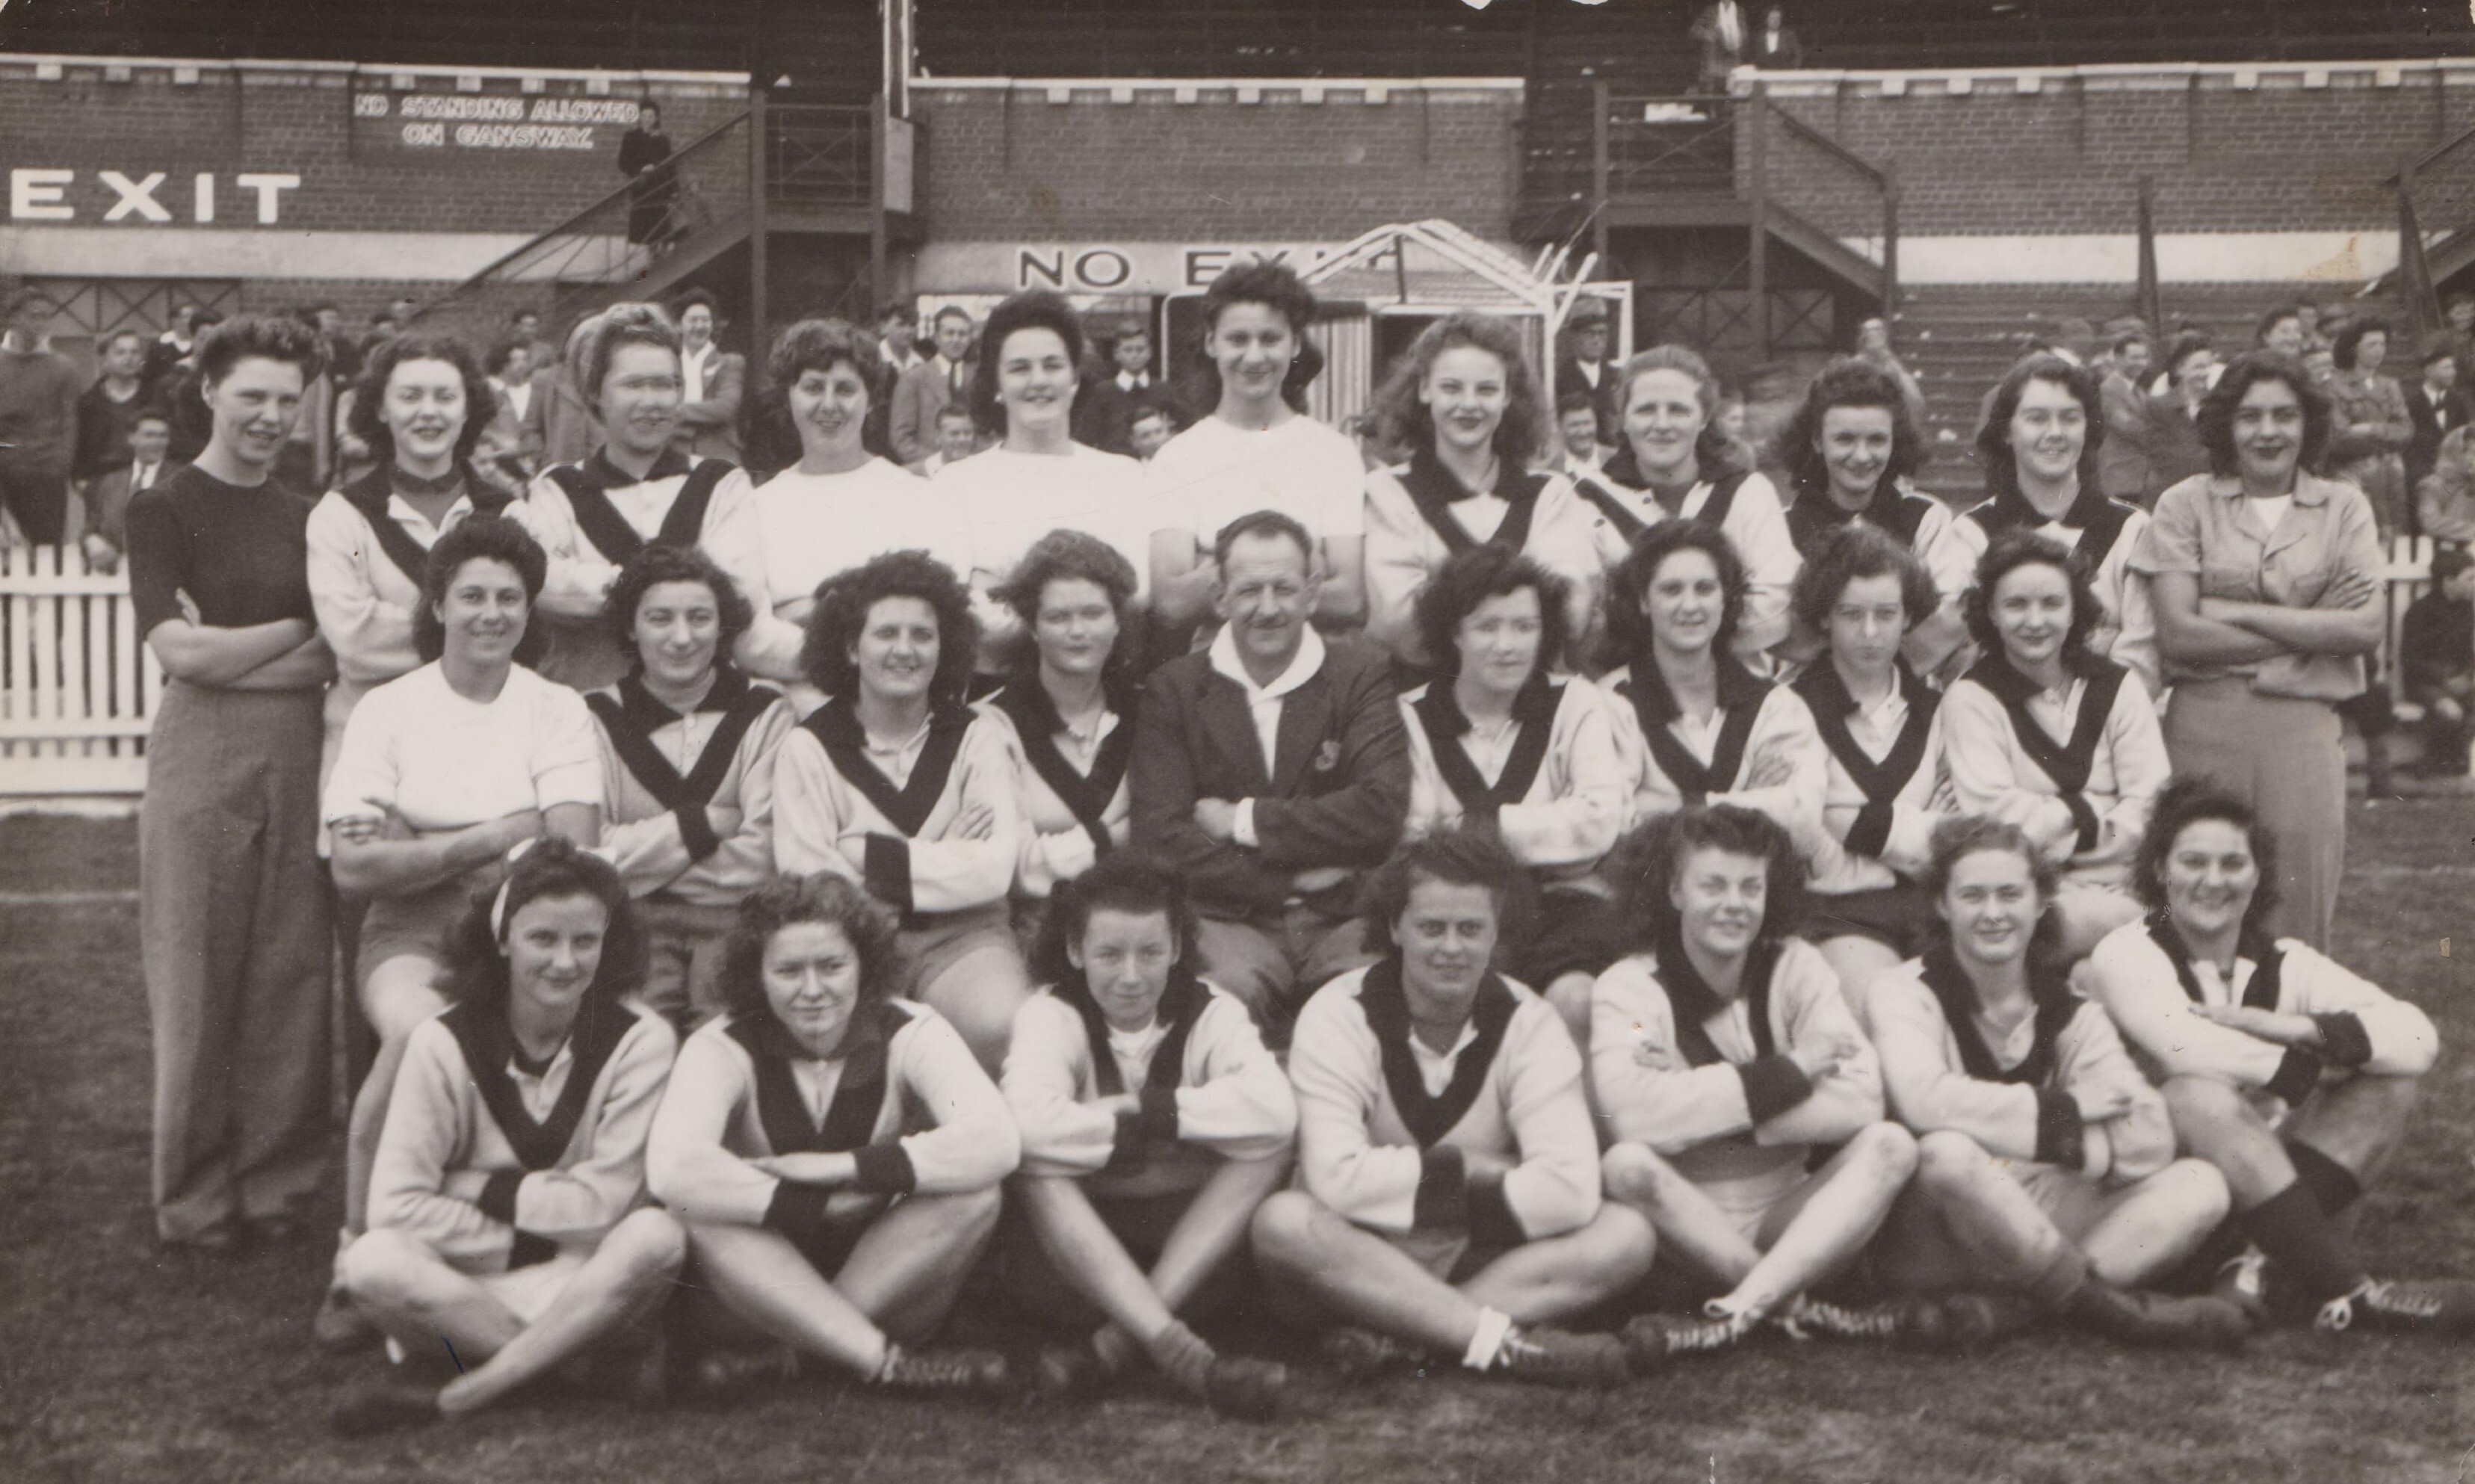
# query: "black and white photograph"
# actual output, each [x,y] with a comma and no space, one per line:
[1388,741]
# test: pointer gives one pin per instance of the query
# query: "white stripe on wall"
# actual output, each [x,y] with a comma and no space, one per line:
[259,253]
[2114,258]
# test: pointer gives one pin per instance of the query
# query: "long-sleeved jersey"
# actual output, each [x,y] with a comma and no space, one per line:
[905,1099]
[1385,1124]
[1885,772]
[495,1165]
[1670,761]
[2083,796]
[1208,1090]
[659,772]
[1945,1068]
[1555,787]
[836,809]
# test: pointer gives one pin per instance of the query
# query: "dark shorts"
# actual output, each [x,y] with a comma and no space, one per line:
[1893,917]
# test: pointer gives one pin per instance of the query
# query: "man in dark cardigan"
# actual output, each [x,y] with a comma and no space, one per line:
[1270,769]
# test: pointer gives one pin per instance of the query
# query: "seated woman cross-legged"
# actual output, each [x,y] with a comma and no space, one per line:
[2043,734]
[441,773]
[2291,1075]
[897,786]
[1864,594]
[1154,1123]
[2047,1181]
[507,1214]
[1448,1201]
[835,1153]
[1495,740]
[1722,1056]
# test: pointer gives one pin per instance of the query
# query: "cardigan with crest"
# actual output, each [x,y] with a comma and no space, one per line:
[923,1117]
[465,1169]
[2144,979]
[1413,529]
[1231,1100]
[2003,763]
[831,815]
[1519,1099]
[665,843]
[1571,807]
[1707,1082]
[2016,1099]
[1333,796]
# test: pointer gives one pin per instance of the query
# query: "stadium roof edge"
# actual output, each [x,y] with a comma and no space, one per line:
[1812,77]
[1224,83]
[417,69]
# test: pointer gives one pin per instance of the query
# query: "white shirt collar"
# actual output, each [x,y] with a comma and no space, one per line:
[1436,1068]
[1303,665]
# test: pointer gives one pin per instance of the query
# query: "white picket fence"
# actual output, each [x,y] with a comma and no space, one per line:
[77,686]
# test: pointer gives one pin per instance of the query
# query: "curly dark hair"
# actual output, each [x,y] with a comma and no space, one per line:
[2189,800]
[2217,417]
[1859,550]
[1993,438]
[592,345]
[1714,456]
[1275,286]
[1033,308]
[480,537]
[1401,420]
[1469,578]
[2272,317]
[786,900]
[2350,339]
[1629,631]
[2016,548]
[1463,856]
[1957,837]
[369,390]
[821,345]
[1122,880]
[1847,383]
[551,866]
[1644,865]
[842,604]
[1071,556]
[658,564]
[273,337]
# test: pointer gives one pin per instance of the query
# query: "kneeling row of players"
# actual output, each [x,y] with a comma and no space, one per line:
[1466,1181]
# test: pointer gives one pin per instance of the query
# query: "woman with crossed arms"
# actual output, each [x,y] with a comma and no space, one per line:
[1154,1123]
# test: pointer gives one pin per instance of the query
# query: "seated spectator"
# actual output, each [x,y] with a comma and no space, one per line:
[1154,1124]
[107,499]
[1464,405]
[1067,706]
[2043,734]
[711,380]
[2437,405]
[1578,453]
[686,770]
[2369,405]
[1743,1104]
[1151,429]
[1270,769]
[2435,650]
[1448,1200]
[898,787]
[834,1152]
[2046,1168]
[508,1212]
[2445,499]
[958,438]
[2290,1074]
[1496,740]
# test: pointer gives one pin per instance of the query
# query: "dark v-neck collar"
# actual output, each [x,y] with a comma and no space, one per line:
[837,725]
[1386,1005]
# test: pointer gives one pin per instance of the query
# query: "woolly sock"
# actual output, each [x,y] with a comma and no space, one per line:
[1494,1328]
[2289,1228]
[1182,1356]
[1115,1349]
[2334,1188]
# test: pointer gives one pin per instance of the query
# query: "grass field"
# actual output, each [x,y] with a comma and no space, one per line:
[121,1361]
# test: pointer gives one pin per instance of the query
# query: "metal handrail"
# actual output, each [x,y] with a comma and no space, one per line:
[569,225]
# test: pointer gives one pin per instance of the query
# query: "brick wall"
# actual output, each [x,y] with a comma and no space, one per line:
[2232,150]
[1011,165]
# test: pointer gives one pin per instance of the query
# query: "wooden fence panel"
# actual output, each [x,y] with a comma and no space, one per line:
[74,682]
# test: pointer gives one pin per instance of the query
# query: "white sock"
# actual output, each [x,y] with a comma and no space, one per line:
[1494,1326]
